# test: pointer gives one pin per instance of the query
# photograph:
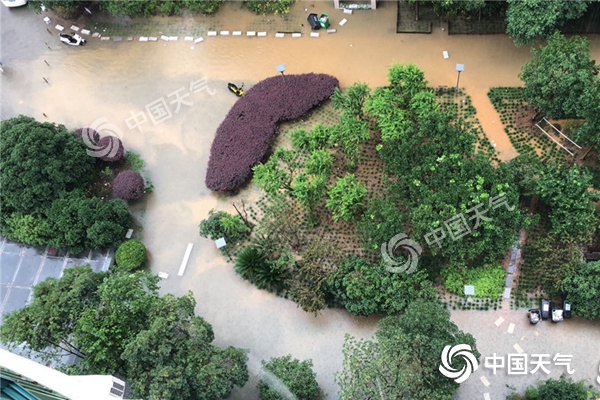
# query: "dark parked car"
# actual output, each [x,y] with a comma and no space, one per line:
[534,316]
[313,20]
[566,309]
[545,308]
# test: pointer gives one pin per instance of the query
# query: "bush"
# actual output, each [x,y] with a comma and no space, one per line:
[133,161]
[110,149]
[561,389]
[128,185]
[88,135]
[366,289]
[488,281]
[220,224]
[79,223]
[346,198]
[317,139]
[39,161]
[244,138]
[207,7]
[131,255]
[296,376]
[269,6]
[268,275]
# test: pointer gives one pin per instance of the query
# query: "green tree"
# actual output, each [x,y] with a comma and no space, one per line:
[131,255]
[366,289]
[406,80]
[403,360]
[309,141]
[221,224]
[287,375]
[566,191]
[269,6]
[352,100]
[529,20]
[130,8]
[278,172]
[173,357]
[80,223]
[319,162]
[263,272]
[561,389]
[434,175]
[582,289]
[39,161]
[453,7]
[588,132]
[350,133]
[58,304]
[309,190]
[124,309]
[346,198]
[381,221]
[33,231]
[559,74]
[309,286]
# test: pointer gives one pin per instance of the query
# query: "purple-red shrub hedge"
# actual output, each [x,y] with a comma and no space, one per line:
[88,134]
[110,149]
[244,138]
[128,185]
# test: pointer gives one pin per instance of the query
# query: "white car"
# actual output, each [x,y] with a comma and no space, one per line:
[14,3]
[72,40]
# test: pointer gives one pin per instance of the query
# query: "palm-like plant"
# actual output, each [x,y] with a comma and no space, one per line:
[269,275]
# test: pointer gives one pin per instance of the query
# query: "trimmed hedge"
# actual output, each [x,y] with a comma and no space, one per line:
[89,135]
[111,147]
[128,185]
[131,255]
[244,138]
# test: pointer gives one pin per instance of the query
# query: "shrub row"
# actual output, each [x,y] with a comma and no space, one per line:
[244,138]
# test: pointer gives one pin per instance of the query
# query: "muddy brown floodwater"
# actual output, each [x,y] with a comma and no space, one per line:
[117,80]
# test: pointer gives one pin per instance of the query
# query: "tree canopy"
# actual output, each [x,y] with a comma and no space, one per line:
[38,161]
[290,376]
[437,181]
[559,75]
[403,359]
[117,323]
[582,289]
[530,20]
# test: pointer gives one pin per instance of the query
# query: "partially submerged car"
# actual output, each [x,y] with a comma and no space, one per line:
[72,40]
[14,3]
[545,308]
[534,316]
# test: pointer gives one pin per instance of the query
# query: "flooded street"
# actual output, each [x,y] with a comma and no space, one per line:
[118,80]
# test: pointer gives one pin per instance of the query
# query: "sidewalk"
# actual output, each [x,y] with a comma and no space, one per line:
[232,16]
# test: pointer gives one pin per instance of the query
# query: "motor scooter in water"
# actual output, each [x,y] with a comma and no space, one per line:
[238,91]
[72,40]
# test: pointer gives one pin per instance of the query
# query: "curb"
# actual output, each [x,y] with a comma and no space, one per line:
[194,39]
